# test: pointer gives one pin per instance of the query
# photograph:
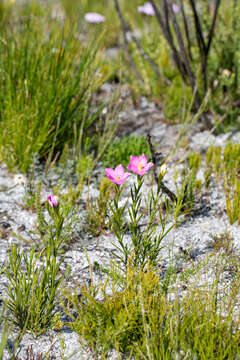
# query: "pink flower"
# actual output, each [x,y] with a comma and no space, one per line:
[175,8]
[139,164]
[94,18]
[117,176]
[146,9]
[53,200]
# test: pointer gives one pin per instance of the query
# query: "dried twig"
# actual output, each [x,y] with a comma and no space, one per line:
[181,46]
[180,56]
[211,32]
[163,187]
[164,25]
[204,48]
[125,29]
[186,29]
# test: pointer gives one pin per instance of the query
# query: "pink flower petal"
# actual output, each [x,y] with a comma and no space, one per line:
[143,160]
[94,18]
[146,9]
[148,166]
[53,200]
[119,171]
[175,8]
[126,175]
[110,172]
[139,165]
[117,176]
[134,163]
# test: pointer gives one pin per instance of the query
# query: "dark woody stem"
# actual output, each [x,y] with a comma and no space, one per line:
[160,183]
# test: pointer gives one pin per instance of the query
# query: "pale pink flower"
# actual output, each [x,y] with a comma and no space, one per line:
[53,200]
[139,164]
[94,18]
[147,9]
[117,176]
[175,8]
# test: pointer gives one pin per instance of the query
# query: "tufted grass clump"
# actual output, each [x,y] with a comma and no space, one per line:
[5,331]
[188,186]
[97,216]
[222,241]
[31,295]
[48,78]
[34,276]
[224,164]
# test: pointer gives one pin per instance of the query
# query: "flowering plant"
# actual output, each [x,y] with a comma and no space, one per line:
[144,246]
[117,176]
[94,18]
[146,9]
[139,164]
[53,200]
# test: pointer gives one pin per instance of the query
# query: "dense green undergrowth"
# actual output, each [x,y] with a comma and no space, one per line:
[143,322]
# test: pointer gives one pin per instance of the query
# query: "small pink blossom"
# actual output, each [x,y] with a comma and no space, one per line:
[117,176]
[175,8]
[147,9]
[53,200]
[94,18]
[139,164]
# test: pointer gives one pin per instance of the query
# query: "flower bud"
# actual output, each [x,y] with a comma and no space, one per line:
[163,169]
[53,200]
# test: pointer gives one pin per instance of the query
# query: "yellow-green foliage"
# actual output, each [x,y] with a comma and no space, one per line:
[194,161]
[116,321]
[142,323]
[84,167]
[97,213]
[190,185]
[176,96]
[120,150]
[224,164]
[213,160]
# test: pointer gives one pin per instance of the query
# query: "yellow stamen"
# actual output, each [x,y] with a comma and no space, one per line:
[140,166]
[117,177]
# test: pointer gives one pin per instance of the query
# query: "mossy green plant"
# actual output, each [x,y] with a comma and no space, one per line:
[116,320]
[139,320]
[120,150]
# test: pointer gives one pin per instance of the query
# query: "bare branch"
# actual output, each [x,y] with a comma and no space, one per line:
[211,32]
[181,45]
[125,29]
[186,29]
[163,187]
[198,27]
[164,25]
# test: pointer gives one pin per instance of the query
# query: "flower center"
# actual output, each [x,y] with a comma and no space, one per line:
[140,166]
[117,177]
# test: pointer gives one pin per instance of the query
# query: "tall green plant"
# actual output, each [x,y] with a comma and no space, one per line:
[32,290]
[47,81]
